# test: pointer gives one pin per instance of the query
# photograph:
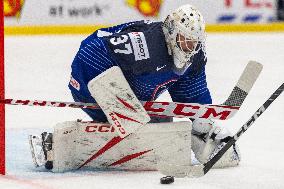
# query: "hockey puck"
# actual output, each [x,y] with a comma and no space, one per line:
[49,165]
[167,180]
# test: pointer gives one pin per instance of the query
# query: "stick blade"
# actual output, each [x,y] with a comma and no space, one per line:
[249,76]
[181,171]
[244,84]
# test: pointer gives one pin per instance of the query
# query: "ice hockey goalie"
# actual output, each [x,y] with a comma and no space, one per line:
[117,67]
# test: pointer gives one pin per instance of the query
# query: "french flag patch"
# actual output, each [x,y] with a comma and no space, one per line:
[74,83]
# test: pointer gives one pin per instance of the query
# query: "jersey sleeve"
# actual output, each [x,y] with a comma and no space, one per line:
[91,60]
[192,86]
[94,58]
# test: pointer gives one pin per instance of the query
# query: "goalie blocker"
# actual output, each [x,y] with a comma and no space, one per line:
[117,100]
[77,145]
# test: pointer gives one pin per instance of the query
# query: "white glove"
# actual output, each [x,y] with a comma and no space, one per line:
[207,137]
[205,128]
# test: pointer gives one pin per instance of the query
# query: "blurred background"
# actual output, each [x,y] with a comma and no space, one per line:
[71,16]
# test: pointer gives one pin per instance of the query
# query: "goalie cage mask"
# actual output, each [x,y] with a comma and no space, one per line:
[184,30]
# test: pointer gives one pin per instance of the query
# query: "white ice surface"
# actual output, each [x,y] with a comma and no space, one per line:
[39,68]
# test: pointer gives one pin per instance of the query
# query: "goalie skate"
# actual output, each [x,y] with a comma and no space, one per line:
[41,149]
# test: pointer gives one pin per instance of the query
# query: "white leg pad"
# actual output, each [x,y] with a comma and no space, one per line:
[80,145]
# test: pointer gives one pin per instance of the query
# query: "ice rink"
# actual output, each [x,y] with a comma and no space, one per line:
[38,67]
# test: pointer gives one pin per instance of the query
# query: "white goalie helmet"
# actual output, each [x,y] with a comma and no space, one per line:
[184,31]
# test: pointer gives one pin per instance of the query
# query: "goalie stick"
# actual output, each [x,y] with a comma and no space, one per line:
[201,170]
[176,109]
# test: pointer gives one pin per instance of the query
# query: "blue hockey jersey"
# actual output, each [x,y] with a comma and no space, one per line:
[139,49]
